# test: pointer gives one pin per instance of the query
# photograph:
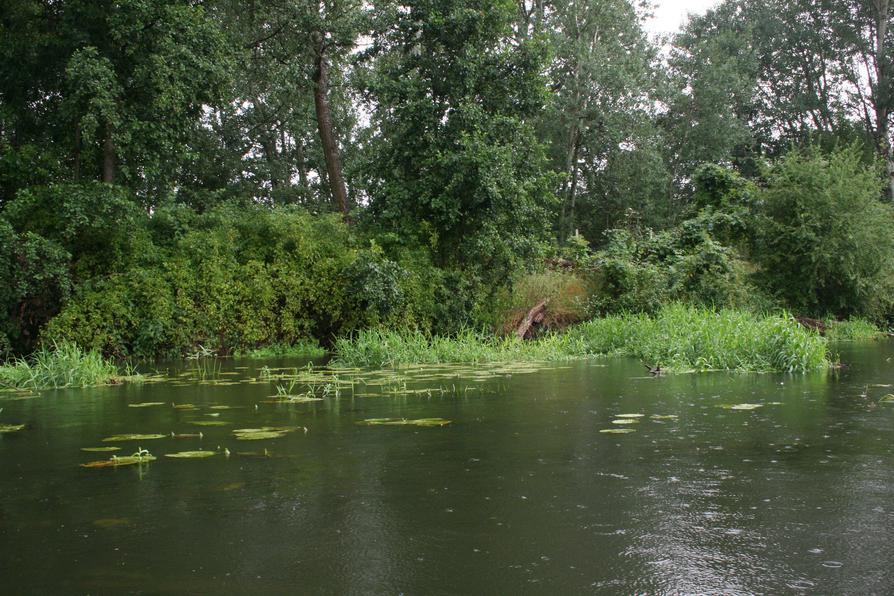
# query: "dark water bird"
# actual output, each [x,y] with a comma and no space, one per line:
[653,370]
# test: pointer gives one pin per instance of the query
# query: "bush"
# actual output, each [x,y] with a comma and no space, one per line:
[640,271]
[825,242]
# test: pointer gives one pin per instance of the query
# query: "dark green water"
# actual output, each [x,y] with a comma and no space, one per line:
[521,494]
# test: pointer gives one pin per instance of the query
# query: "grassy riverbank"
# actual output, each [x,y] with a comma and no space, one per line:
[678,337]
[63,365]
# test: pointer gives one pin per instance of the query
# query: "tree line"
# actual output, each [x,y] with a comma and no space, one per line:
[479,137]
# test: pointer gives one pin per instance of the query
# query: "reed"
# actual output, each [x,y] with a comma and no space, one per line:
[678,337]
[62,364]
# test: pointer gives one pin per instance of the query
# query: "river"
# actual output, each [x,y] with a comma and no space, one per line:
[727,484]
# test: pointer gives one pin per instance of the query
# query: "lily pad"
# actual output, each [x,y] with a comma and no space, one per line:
[888,399]
[265,432]
[128,460]
[146,404]
[424,422]
[744,406]
[187,435]
[224,407]
[11,428]
[190,454]
[100,449]
[617,431]
[663,416]
[185,406]
[134,437]
[209,423]
[626,421]
[629,415]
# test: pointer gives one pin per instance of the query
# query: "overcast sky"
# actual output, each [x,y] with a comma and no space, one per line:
[670,14]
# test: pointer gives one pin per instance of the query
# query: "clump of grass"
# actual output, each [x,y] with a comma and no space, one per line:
[302,349]
[565,294]
[63,364]
[378,347]
[677,338]
[686,338]
[852,330]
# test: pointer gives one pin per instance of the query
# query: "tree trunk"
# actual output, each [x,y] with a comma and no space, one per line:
[108,157]
[882,96]
[327,134]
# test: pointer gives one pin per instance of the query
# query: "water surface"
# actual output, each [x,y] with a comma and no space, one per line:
[522,493]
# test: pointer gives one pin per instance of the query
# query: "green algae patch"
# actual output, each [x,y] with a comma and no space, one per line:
[423,422]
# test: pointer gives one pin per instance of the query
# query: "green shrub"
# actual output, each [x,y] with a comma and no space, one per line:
[825,242]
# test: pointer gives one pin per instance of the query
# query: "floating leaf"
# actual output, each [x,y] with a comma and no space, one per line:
[292,399]
[265,432]
[224,407]
[11,428]
[626,421]
[629,415]
[742,406]
[190,454]
[100,449]
[146,404]
[617,431]
[185,407]
[424,422]
[135,437]
[663,416]
[187,436]
[209,423]
[140,457]
[888,399]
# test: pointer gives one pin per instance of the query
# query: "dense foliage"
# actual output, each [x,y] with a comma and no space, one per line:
[236,176]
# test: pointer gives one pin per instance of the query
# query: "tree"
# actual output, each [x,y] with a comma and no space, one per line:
[453,161]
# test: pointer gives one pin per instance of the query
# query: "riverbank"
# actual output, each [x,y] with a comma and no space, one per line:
[678,338]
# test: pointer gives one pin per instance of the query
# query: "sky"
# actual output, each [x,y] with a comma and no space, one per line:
[670,14]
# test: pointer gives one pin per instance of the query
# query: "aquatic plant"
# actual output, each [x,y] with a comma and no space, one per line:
[62,364]
[424,422]
[139,457]
[190,454]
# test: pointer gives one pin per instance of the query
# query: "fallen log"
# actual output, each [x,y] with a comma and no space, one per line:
[812,324]
[534,317]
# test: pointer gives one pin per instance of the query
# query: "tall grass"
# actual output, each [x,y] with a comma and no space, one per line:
[852,330]
[62,365]
[687,338]
[377,348]
[678,338]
